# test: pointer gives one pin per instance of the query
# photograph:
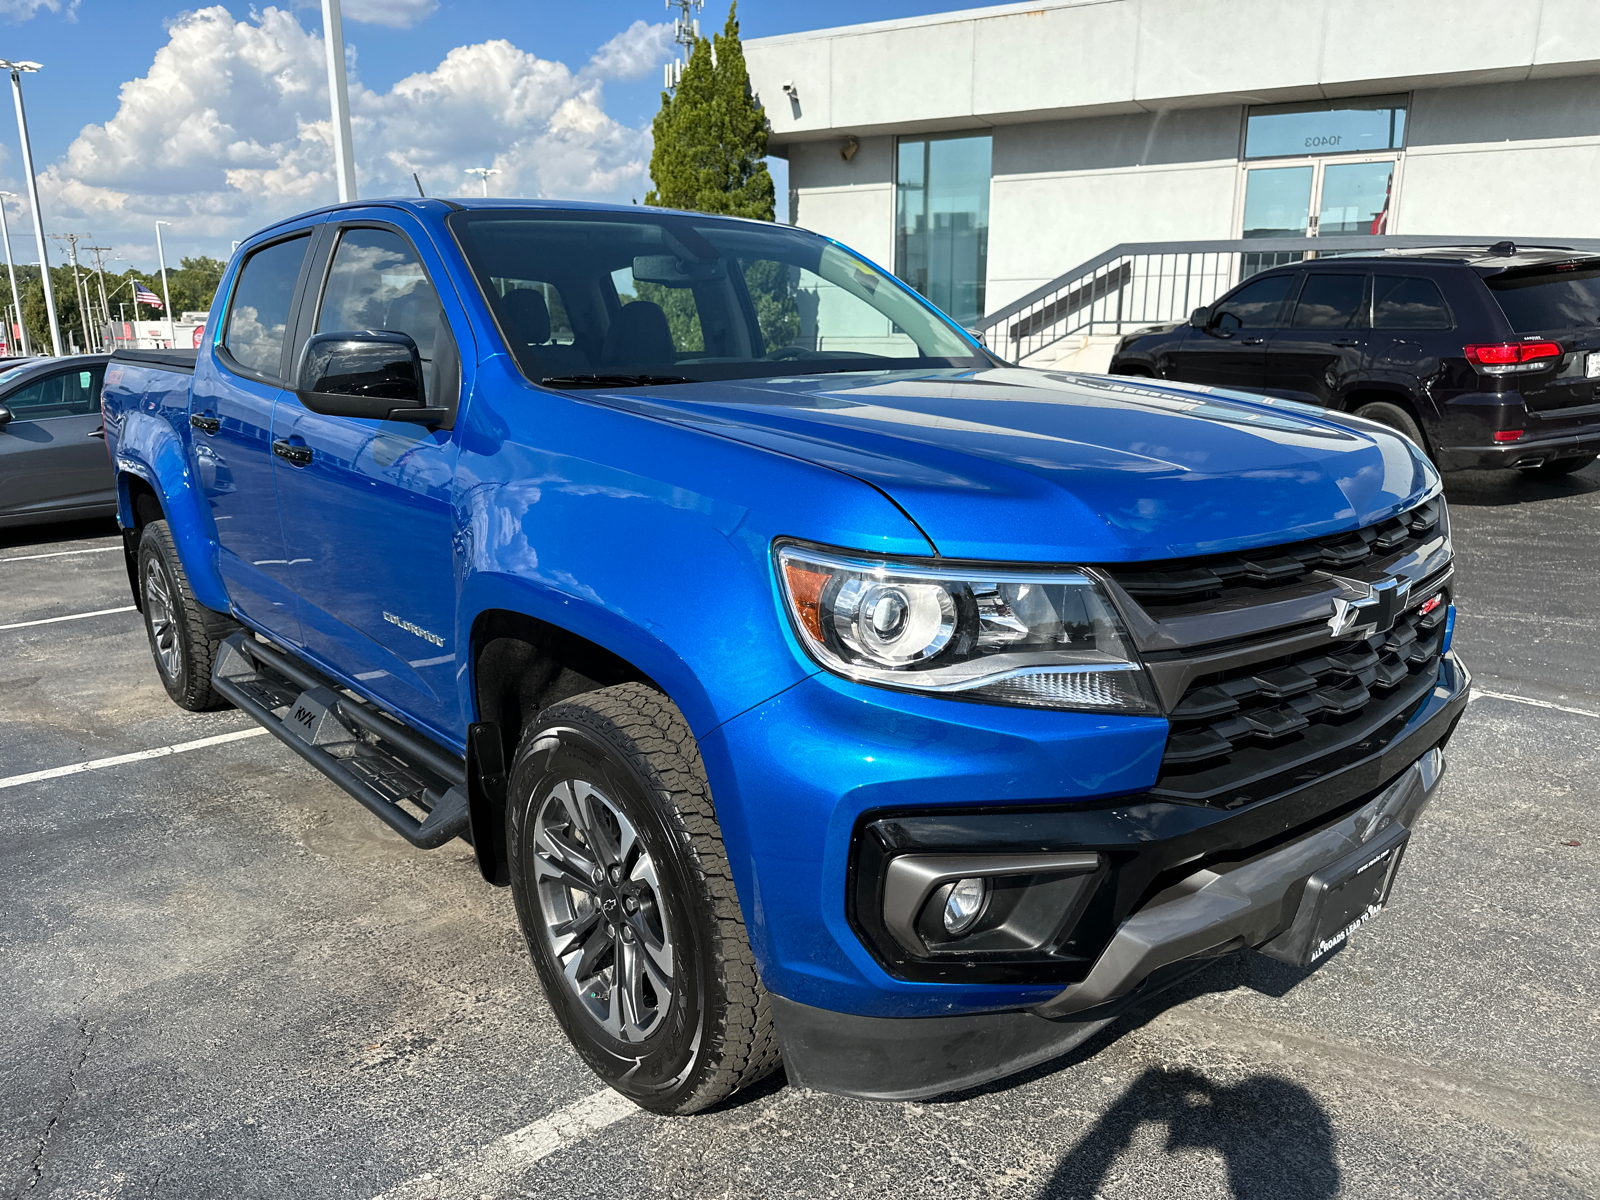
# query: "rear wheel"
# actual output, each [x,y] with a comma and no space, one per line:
[624,894]
[184,635]
[1558,468]
[1396,418]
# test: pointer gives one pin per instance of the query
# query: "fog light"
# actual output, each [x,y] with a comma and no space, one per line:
[962,906]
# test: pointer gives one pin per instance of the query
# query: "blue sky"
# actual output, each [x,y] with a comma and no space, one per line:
[209,135]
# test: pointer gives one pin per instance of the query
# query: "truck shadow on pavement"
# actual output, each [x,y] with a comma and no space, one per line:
[1500,489]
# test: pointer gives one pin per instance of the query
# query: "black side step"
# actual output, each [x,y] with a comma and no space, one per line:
[378,761]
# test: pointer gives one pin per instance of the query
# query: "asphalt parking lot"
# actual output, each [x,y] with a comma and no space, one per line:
[223,978]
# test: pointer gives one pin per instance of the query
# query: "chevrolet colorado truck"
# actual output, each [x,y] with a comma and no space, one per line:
[826,690]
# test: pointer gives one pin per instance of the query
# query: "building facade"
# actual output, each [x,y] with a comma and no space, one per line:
[983,153]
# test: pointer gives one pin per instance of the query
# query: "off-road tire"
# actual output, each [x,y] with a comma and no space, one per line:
[1397,419]
[632,744]
[184,634]
[1558,468]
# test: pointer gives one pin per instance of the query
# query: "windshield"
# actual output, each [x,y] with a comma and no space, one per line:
[668,297]
[1550,299]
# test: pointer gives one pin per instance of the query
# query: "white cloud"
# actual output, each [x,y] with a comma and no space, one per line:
[24,10]
[396,14]
[229,130]
[633,53]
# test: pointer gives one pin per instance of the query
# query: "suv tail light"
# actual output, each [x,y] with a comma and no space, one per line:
[1502,358]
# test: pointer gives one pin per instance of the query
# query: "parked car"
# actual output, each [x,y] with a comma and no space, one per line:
[53,461]
[1484,358]
[817,683]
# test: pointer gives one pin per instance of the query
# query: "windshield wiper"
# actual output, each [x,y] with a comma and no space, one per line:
[580,381]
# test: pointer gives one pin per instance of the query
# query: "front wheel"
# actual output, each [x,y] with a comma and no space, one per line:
[624,894]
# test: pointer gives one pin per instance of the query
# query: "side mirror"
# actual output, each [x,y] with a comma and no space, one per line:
[1200,318]
[374,373]
[5,416]
[977,335]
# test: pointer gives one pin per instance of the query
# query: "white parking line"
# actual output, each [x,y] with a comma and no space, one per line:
[497,1165]
[1580,712]
[102,612]
[159,752]
[58,554]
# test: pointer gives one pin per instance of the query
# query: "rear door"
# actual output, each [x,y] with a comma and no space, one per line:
[236,384]
[1410,338]
[1231,351]
[1560,302]
[1325,339]
[368,513]
[53,452]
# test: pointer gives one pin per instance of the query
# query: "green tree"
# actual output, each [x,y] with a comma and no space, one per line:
[711,136]
[193,284]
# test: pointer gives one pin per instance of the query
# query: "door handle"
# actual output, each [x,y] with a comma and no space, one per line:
[1347,341]
[300,456]
[1253,342]
[99,433]
[208,424]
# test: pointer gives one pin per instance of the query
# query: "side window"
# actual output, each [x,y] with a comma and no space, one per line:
[63,394]
[377,282]
[1408,302]
[1257,305]
[1331,302]
[258,316]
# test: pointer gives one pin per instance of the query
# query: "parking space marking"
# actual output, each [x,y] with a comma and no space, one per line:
[1579,712]
[102,612]
[496,1165]
[116,761]
[58,554]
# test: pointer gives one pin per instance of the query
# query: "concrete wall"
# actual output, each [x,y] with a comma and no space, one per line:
[851,201]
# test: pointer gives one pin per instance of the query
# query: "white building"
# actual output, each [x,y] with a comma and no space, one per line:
[984,153]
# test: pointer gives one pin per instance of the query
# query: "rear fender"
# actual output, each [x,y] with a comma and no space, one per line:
[151,450]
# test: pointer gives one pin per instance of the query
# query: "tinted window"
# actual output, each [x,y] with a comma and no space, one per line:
[1326,127]
[63,394]
[1331,302]
[1257,305]
[377,282]
[1400,302]
[258,318]
[1550,301]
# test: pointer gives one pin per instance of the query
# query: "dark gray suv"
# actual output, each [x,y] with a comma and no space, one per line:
[53,461]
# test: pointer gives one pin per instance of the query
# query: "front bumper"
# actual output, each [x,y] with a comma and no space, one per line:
[1209,914]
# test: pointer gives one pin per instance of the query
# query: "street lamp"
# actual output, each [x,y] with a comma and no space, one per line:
[172,332]
[16,299]
[344,162]
[483,174]
[16,69]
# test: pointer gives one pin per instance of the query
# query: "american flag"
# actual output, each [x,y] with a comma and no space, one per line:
[145,296]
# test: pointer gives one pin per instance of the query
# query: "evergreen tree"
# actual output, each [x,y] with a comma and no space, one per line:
[711,136]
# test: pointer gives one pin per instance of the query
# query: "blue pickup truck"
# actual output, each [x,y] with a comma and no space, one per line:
[826,690]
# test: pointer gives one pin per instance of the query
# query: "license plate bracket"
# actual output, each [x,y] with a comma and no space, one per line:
[1340,898]
[1591,364]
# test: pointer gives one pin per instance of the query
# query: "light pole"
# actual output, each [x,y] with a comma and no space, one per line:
[483,174]
[16,69]
[16,299]
[172,333]
[344,163]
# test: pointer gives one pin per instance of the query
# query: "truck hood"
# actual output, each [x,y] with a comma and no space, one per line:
[1033,466]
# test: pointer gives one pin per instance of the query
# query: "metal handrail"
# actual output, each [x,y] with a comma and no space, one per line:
[1083,298]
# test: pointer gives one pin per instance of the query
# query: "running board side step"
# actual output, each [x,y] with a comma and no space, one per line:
[385,766]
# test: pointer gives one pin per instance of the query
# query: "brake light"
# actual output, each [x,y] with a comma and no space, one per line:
[1505,353]
[1507,435]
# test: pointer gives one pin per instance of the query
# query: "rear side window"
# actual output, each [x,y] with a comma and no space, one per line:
[1257,305]
[63,394]
[258,317]
[1408,302]
[1331,302]
[1550,300]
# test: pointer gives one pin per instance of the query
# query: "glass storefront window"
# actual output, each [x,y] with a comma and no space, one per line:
[941,243]
[1326,127]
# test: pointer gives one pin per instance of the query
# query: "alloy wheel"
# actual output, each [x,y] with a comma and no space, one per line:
[158,609]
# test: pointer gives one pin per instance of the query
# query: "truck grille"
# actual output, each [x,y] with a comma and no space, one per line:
[1181,586]
[1272,709]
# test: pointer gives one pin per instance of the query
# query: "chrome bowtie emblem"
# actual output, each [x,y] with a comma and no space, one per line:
[1375,609]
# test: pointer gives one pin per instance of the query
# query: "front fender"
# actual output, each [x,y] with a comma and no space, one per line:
[150,449]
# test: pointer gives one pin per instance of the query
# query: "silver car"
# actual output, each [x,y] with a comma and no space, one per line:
[53,461]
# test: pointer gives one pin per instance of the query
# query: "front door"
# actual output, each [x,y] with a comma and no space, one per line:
[236,384]
[367,512]
[53,452]
[1314,197]
[1326,341]
[1231,351]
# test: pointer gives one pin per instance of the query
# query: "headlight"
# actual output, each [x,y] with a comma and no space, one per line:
[1046,639]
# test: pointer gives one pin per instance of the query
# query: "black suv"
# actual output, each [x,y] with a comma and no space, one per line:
[1484,358]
